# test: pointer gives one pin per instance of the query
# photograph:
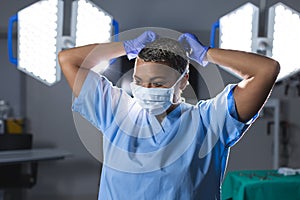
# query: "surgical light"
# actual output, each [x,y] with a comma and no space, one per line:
[284,31]
[40,35]
[239,30]
[91,24]
[39,30]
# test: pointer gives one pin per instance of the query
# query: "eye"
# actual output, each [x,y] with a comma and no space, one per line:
[158,84]
[137,82]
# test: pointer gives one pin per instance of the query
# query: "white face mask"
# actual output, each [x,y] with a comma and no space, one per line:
[155,100]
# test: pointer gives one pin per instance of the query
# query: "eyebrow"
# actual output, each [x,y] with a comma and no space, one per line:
[157,77]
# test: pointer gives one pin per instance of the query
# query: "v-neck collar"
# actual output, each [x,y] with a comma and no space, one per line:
[168,119]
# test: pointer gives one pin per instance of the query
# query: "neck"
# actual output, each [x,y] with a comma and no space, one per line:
[161,117]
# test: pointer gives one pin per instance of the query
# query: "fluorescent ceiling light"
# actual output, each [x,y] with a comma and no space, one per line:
[284,31]
[39,32]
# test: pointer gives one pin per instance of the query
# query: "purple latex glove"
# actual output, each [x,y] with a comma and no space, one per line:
[196,50]
[133,47]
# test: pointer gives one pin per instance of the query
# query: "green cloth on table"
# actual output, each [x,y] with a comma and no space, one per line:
[260,185]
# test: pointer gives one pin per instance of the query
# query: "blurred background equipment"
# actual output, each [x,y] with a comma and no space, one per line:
[4,114]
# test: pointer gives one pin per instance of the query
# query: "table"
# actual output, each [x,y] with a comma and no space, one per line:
[31,155]
[14,158]
[260,185]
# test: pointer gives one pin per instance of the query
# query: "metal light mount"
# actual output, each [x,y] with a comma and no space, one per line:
[68,42]
[263,46]
[40,35]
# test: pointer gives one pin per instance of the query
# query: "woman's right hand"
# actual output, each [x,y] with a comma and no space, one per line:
[133,47]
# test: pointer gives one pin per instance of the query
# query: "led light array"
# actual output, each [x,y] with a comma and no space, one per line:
[40,35]
[39,29]
[284,30]
[239,31]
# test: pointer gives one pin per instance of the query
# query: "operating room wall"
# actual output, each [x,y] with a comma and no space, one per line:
[11,80]
[48,109]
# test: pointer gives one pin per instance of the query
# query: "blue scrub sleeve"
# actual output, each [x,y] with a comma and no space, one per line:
[96,101]
[220,117]
[233,113]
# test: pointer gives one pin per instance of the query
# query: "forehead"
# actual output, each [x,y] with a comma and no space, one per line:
[152,69]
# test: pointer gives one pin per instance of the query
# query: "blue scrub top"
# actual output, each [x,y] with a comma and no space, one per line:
[183,157]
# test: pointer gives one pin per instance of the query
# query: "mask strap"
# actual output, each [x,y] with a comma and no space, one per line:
[179,79]
[182,75]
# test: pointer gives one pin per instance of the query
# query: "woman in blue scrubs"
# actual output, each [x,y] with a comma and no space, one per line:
[155,145]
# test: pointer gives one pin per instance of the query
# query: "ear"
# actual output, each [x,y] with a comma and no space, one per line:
[184,82]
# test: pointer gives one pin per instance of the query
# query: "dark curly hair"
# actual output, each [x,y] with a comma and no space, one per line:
[167,51]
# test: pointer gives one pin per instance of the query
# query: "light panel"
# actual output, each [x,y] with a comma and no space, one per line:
[284,31]
[39,31]
[90,24]
[239,28]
